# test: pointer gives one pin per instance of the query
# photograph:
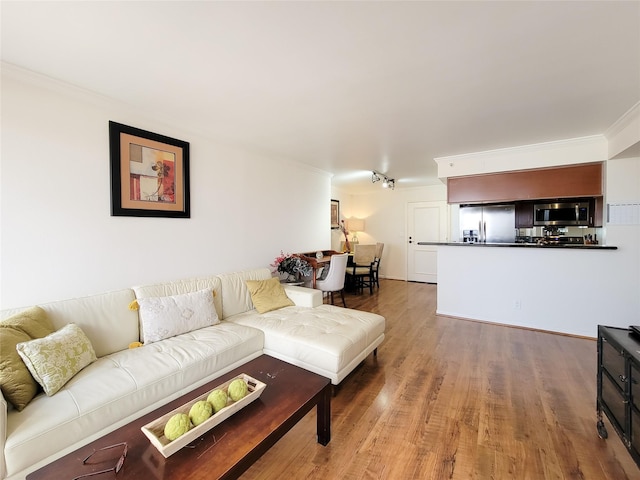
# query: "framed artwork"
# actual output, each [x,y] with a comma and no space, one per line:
[335,214]
[149,173]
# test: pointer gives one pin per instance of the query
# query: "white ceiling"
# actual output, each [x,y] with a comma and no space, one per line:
[347,86]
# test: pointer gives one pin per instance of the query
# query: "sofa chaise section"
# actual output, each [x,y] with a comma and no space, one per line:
[328,340]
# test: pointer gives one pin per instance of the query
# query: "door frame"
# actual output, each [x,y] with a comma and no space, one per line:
[444,228]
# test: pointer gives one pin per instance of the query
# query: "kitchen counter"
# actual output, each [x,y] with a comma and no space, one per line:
[560,288]
[579,246]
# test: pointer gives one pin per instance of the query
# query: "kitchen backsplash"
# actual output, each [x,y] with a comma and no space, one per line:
[588,234]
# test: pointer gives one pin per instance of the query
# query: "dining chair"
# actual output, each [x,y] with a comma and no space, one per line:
[376,263]
[360,273]
[334,280]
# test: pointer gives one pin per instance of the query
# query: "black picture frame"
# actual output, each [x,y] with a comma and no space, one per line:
[149,173]
[335,214]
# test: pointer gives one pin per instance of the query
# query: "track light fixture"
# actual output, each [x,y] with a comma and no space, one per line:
[386,181]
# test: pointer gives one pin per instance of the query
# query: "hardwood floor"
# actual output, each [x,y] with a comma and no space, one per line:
[456,399]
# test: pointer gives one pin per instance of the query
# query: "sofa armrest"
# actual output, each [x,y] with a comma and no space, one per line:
[304,297]
[3,434]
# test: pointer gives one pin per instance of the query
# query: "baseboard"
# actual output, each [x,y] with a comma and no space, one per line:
[521,327]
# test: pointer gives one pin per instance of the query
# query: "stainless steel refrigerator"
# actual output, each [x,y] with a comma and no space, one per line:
[488,224]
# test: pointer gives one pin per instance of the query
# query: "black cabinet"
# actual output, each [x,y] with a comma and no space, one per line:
[524,214]
[619,386]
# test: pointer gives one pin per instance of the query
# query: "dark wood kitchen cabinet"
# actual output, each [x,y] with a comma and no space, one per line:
[570,181]
[524,214]
[618,386]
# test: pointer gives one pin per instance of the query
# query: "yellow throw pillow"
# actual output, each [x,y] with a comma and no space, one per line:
[268,295]
[18,386]
[56,358]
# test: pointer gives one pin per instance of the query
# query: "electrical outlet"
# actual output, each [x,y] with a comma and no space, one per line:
[517,304]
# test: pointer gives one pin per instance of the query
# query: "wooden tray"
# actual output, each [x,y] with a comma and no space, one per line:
[155,429]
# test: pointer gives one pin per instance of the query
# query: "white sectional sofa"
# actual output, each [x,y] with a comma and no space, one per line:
[124,383]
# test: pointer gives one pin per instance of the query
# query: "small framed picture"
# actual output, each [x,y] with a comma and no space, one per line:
[335,214]
[149,173]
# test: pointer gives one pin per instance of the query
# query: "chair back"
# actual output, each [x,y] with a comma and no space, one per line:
[334,281]
[364,255]
[379,248]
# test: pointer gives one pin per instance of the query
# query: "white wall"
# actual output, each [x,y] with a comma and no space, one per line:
[385,212]
[58,239]
[623,186]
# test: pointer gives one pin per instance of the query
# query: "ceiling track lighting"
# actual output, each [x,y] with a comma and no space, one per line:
[386,181]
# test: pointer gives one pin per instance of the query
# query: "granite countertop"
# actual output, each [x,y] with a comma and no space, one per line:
[578,246]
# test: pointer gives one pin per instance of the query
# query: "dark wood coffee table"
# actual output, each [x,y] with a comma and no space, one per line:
[226,450]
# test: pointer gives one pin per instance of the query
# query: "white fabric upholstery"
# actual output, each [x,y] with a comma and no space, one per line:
[334,281]
[364,254]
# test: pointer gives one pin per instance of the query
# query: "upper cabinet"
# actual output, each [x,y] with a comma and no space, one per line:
[584,180]
[525,211]
[524,214]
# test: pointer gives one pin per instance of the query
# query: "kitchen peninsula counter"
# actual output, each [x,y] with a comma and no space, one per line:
[558,288]
[580,246]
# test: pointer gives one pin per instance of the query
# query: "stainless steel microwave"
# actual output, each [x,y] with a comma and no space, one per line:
[562,214]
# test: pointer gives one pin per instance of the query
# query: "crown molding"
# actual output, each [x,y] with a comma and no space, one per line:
[588,141]
[623,122]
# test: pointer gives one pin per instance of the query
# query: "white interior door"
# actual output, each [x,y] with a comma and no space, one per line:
[426,222]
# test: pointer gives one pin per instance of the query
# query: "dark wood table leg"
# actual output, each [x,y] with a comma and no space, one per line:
[324,416]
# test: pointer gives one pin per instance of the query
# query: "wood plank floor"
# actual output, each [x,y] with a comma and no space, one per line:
[456,399]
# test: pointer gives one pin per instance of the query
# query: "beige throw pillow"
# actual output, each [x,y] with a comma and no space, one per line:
[268,295]
[18,386]
[56,358]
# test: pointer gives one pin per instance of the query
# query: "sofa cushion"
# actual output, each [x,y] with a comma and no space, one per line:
[118,388]
[328,340]
[268,295]
[53,360]
[164,317]
[18,386]
[104,318]
[235,293]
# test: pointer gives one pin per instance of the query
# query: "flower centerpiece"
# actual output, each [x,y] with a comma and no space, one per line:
[343,229]
[291,265]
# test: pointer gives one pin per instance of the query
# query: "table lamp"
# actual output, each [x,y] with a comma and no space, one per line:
[355,225]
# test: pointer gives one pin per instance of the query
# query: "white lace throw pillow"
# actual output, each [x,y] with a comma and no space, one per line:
[164,317]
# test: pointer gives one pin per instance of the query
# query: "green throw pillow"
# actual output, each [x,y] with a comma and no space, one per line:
[268,295]
[56,358]
[18,386]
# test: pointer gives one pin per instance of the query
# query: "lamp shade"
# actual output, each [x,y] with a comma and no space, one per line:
[355,224]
